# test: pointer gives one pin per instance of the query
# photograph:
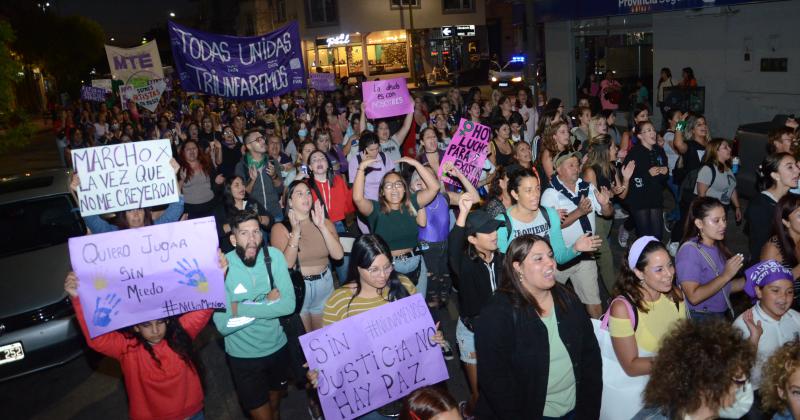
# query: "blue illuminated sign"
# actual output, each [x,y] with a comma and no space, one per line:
[553,10]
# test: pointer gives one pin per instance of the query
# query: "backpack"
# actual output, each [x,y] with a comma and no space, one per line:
[684,165]
[688,184]
[509,230]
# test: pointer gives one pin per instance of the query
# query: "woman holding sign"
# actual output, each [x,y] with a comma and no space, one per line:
[157,358]
[538,354]
[371,282]
[394,215]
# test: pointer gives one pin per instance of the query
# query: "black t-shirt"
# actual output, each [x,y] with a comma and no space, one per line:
[645,190]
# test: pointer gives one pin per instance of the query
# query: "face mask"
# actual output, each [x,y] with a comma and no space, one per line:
[284,106]
[742,404]
[114,127]
[516,137]
[302,132]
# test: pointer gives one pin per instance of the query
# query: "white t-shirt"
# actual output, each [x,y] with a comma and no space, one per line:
[391,148]
[776,334]
[531,123]
[723,186]
[672,155]
[554,199]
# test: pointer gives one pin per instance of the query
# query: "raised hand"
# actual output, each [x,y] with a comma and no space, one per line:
[588,243]
[627,170]
[318,215]
[193,277]
[603,196]
[733,265]
[104,309]
[294,221]
[253,172]
[754,327]
[465,202]
[71,284]
[220,179]
[175,165]
[74,182]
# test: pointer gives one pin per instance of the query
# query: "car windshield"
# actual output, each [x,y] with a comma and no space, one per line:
[39,223]
[514,66]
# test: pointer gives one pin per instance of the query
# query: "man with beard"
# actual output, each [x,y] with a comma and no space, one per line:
[254,339]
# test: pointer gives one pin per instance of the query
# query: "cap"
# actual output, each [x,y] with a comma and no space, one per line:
[763,274]
[479,221]
[563,156]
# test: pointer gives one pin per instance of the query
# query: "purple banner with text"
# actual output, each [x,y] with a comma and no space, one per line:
[387,98]
[137,275]
[374,358]
[468,151]
[251,67]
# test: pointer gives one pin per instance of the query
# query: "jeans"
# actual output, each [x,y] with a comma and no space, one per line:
[341,266]
[198,416]
[408,266]
[675,213]
[706,316]
[439,283]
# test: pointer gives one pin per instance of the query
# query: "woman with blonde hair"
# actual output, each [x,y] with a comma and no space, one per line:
[554,141]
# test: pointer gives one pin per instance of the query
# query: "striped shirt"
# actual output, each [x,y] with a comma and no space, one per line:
[336,308]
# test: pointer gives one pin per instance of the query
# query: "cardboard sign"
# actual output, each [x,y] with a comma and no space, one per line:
[251,67]
[137,275]
[95,94]
[125,176]
[146,96]
[374,358]
[387,98]
[105,84]
[135,66]
[322,81]
[468,151]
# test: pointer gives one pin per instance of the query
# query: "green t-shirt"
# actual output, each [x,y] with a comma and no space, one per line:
[560,398]
[397,227]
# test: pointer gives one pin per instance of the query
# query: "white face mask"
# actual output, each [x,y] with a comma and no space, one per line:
[284,106]
[742,404]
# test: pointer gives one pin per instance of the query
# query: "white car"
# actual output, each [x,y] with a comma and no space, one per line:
[510,75]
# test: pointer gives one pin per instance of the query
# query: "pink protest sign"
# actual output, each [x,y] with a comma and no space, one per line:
[468,151]
[137,275]
[374,358]
[387,98]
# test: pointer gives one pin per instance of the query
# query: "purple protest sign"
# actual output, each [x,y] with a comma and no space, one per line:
[467,150]
[374,358]
[137,275]
[387,98]
[95,94]
[238,67]
[322,81]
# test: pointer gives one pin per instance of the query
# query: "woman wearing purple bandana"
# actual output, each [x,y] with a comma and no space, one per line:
[771,322]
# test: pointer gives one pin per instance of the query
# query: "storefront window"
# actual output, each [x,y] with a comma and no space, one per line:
[387,52]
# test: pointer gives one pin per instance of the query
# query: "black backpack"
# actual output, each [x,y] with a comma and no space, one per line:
[689,182]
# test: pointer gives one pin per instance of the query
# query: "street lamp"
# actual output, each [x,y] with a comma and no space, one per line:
[112,39]
[172,14]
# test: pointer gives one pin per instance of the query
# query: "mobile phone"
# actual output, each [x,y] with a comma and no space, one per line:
[304,169]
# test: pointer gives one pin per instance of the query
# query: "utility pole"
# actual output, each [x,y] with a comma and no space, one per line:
[532,44]
[412,66]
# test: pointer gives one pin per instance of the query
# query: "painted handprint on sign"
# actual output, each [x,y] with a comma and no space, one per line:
[193,277]
[104,309]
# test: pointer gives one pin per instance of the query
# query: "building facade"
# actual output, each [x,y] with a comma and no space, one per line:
[375,38]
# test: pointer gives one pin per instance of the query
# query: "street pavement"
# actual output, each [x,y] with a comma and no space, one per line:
[91,387]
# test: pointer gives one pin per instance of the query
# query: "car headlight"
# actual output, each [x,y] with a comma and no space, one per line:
[494,79]
[517,79]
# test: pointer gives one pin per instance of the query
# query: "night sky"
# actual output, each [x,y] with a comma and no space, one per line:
[127,20]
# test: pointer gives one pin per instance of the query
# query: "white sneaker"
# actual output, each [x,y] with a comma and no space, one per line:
[672,247]
[620,214]
[623,236]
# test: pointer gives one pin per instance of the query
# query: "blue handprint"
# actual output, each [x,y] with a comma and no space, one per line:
[103,309]
[194,276]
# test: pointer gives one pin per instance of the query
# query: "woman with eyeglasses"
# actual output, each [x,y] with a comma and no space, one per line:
[229,153]
[394,215]
[372,281]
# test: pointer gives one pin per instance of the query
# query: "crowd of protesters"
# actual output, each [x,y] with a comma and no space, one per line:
[524,256]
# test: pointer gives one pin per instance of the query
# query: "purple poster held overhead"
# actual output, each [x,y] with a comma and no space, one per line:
[238,67]
[322,81]
[374,358]
[94,94]
[468,151]
[137,275]
[387,98]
